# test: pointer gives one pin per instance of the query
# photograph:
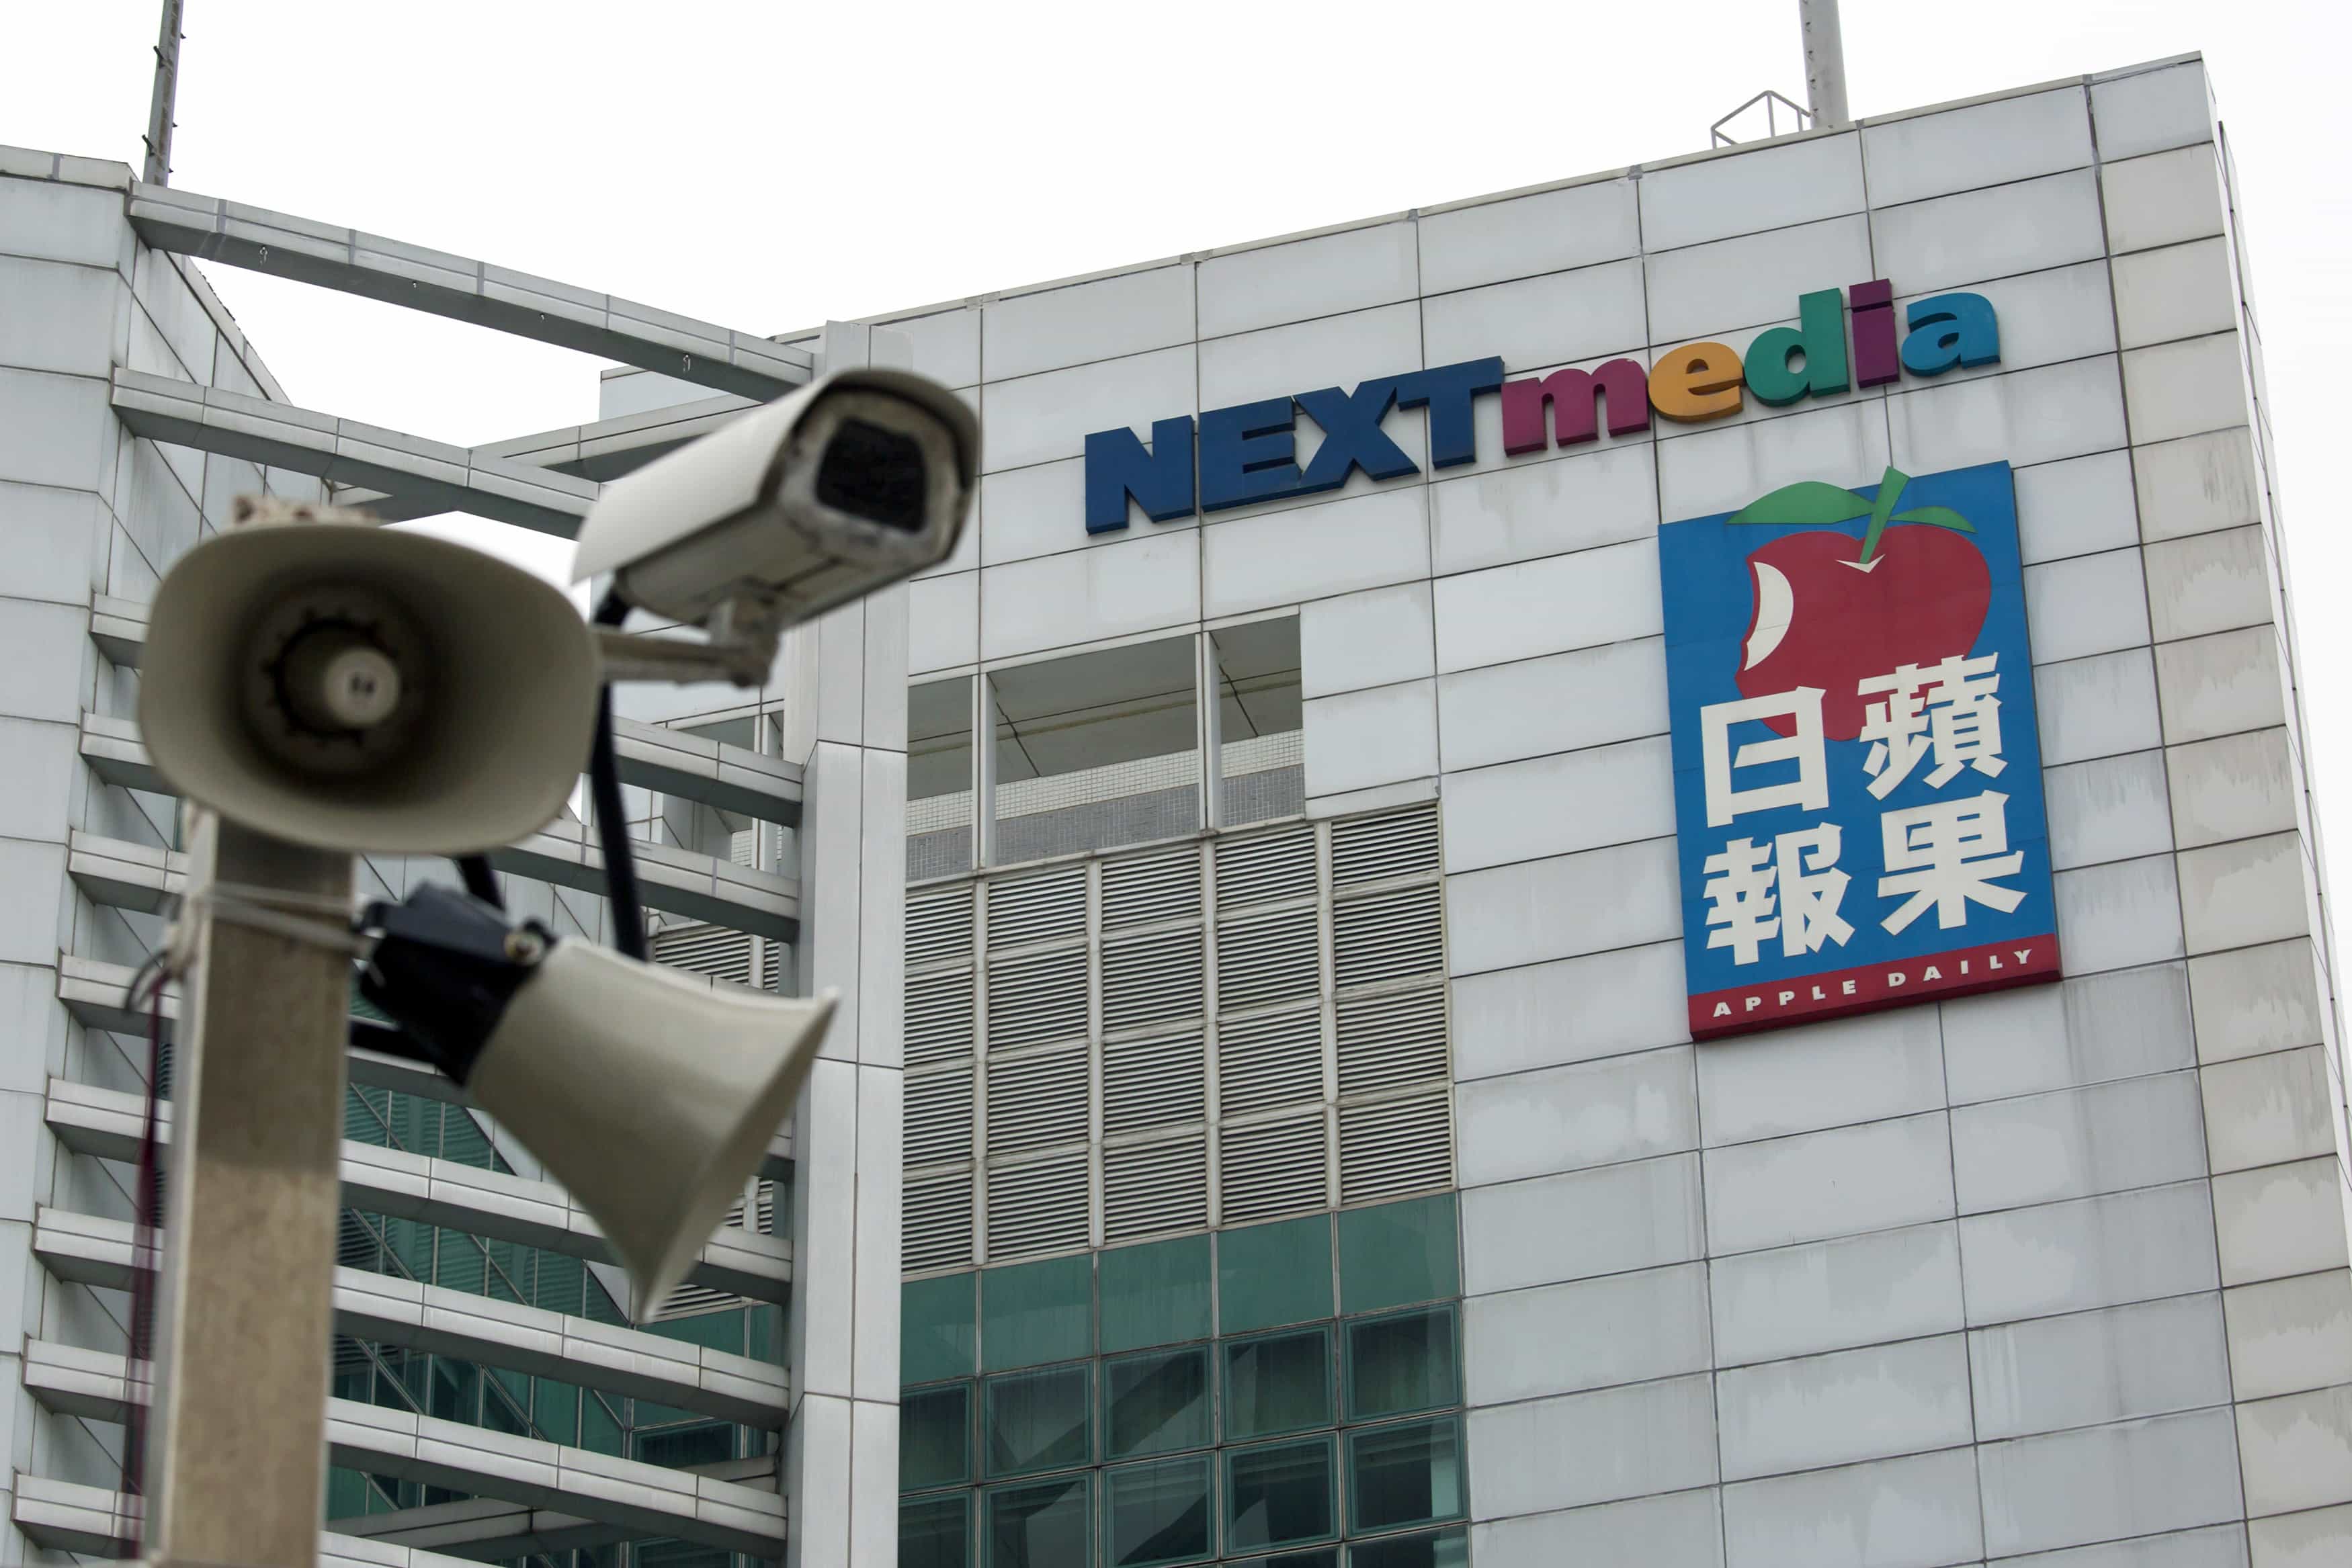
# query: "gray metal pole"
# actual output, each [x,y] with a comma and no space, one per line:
[167,92]
[236,1442]
[1824,62]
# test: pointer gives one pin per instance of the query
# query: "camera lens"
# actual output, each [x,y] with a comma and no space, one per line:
[873,474]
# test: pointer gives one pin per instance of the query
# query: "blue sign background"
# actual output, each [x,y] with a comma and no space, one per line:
[1708,591]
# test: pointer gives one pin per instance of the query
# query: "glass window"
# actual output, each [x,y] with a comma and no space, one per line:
[1410,1473]
[1159,1512]
[1397,1254]
[1042,1524]
[600,1429]
[1275,1495]
[1400,1364]
[935,1329]
[555,1411]
[1439,1549]
[939,778]
[1156,1403]
[1038,1420]
[456,1390]
[678,1447]
[1262,769]
[1036,1312]
[935,1531]
[935,1436]
[1156,1294]
[1096,750]
[1328,1557]
[1278,1383]
[1268,1275]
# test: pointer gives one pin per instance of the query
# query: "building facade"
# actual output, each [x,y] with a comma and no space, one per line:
[1396,1016]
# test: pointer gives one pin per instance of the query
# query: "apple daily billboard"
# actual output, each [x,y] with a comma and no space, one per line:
[1857,769]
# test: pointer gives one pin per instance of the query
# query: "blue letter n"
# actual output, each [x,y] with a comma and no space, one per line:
[1160,480]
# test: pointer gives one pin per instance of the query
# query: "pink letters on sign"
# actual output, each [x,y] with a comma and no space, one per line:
[1571,396]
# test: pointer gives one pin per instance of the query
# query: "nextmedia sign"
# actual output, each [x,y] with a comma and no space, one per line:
[1247,453]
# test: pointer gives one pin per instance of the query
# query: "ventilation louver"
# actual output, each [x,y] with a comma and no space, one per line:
[1271,1168]
[1153,1188]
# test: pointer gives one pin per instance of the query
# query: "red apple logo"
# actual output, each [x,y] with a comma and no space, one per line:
[1831,610]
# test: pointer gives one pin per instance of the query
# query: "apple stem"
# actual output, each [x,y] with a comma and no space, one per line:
[1890,491]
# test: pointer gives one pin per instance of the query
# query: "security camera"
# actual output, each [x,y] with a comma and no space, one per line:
[857,480]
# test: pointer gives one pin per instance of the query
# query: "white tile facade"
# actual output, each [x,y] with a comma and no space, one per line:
[2055,1271]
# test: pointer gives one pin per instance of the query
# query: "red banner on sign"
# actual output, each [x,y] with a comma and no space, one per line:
[1958,972]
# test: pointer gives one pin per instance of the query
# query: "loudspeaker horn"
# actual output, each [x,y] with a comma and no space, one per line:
[353,687]
[651,1096]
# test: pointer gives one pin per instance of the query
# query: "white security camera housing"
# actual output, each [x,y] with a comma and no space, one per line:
[860,478]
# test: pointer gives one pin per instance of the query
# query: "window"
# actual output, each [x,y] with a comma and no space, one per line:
[1096,750]
[936,1532]
[1155,1294]
[1401,1363]
[1100,749]
[1262,771]
[939,778]
[1271,1274]
[1040,1420]
[1439,1549]
[1409,1474]
[1278,1383]
[1278,1495]
[1157,1403]
[1210,1399]
[1036,1312]
[1159,1513]
[1044,1525]
[935,1436]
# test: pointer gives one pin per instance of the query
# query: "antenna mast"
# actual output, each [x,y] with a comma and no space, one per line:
[1824,62]
[167,90]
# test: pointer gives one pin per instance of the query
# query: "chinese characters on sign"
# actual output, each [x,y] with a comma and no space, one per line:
[1857,774]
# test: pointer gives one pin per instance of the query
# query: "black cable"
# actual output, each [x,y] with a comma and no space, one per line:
[480,881]
[612,816]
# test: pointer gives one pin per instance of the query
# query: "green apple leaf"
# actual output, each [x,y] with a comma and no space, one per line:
[1809,503]
[1935,517]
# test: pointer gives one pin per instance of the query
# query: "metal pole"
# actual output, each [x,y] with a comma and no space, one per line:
[1824,62]
[167,92]
[237,1446]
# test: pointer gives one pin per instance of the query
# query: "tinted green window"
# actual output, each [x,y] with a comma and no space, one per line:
[1400,1364]
[1410,1473]
[935,1329]
[1328,1557]
[555,1411]
[936,1532]
[1268,1275]
[599,1430]
[1156,1294]
[1159,1513]
[1042,1524]
[1278,1495]
[1156,1403]
[456,1390]
[1397,1254]
[1038,1420]
[1037,1312]
[935,1437]
[710,1331]
[347,1493]
[1440,1549]
[1278,1383]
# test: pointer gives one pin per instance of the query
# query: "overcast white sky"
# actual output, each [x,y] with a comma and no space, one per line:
[767,166]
